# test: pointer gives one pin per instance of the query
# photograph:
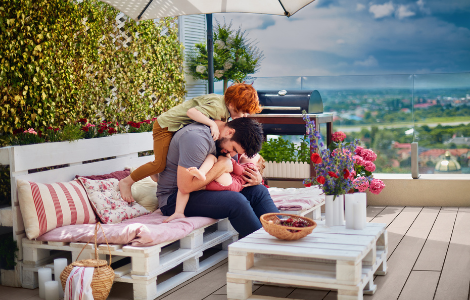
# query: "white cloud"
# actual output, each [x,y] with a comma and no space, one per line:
[361,7]
[404,11]
[338,40]
[382,10]
[421,7]
[368,62]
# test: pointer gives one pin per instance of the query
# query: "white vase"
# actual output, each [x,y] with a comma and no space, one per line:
[349,200]
[334,210]
[356,211]
[360,211]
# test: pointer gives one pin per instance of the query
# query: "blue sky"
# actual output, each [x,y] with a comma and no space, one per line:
[343,37]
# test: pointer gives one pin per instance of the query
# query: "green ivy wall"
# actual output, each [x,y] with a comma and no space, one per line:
[63,60]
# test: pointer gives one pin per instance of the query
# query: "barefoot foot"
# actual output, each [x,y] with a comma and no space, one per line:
[125,189]
[196,173]
[174,217]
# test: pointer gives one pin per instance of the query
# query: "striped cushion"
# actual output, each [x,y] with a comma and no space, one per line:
[48,206]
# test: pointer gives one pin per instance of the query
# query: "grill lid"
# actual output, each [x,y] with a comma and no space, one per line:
[290,101]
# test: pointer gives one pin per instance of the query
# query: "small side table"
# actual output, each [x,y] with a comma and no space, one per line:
[330,257]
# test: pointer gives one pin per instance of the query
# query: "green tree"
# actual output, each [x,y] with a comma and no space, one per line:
[235,56]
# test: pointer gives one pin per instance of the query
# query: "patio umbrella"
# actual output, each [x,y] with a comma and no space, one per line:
[154,9]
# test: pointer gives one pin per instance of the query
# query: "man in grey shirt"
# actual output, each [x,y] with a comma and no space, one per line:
[189,148]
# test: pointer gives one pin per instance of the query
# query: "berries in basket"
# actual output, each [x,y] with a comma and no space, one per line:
[286,226]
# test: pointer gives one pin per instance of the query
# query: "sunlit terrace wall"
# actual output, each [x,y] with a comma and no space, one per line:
[389,112]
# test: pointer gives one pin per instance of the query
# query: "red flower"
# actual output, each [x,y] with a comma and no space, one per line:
[84,128]
[332,174]
[316,158]
[19,130]
[345,174]
[321,179]
[111,130]
[83,121]
[308,184]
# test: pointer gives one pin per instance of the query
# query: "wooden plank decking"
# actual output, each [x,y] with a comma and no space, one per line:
[428,258]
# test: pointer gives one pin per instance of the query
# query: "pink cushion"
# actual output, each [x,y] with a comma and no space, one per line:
[297,199]
[145,230]
[48,206]
[118,175]
[106,199]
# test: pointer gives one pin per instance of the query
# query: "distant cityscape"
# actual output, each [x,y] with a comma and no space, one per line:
[388,121]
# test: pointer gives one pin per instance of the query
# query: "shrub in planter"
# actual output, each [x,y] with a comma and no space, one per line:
[280,149]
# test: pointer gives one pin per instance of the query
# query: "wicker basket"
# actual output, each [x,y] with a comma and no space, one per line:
[271,223]
[103,276]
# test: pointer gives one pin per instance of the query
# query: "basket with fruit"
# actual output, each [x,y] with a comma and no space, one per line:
[286,226]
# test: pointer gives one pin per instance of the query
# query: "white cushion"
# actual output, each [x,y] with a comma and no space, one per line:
[145,193]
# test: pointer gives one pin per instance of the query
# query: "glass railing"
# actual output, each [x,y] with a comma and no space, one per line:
[389,112]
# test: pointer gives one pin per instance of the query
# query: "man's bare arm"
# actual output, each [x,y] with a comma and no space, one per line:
[187,183]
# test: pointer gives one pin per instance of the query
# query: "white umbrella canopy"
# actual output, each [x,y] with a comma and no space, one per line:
[153,9]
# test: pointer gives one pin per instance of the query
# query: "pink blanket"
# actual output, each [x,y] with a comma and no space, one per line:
[145,230]
[296,199]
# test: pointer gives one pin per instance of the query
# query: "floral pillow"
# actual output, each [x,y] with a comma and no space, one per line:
[106,199]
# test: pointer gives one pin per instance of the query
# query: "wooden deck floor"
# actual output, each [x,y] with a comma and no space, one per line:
[428,258]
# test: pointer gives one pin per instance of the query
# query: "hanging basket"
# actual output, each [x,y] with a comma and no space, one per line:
[103,276]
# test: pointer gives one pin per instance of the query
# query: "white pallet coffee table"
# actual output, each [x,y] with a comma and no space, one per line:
[330,257]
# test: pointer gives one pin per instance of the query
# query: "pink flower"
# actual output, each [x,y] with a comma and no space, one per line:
[338,136]
[376,186]
[31,130]
[358,160]
[369,166]
[89,125]
[359,150]
[368,154]
[361,184]
[352,174]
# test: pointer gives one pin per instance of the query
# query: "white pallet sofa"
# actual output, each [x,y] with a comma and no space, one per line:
[139,265]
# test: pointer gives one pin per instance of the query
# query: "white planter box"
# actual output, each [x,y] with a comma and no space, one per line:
[298,170]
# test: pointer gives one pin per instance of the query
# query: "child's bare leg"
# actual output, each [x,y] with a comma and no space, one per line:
[224,179]
[181,201]
[125,188]
[204,169]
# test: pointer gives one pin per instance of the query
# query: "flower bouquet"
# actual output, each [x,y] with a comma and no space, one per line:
[333,172]
[341,168]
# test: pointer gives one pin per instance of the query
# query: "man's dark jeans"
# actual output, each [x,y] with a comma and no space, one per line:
[242,209]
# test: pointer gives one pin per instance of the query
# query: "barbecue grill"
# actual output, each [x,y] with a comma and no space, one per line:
[278,104]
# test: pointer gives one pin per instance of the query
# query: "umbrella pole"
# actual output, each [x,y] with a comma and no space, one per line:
[210,54]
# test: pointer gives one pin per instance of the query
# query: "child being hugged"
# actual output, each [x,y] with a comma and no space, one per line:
[234,181]
[239,100]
